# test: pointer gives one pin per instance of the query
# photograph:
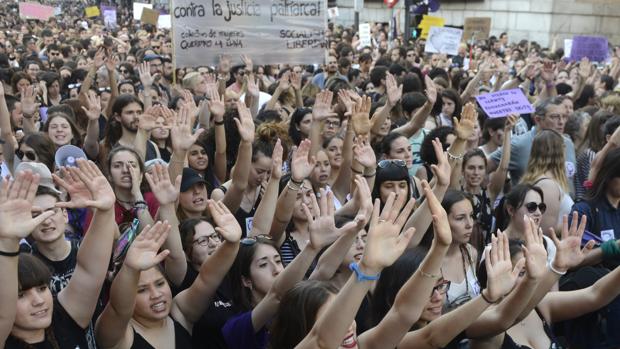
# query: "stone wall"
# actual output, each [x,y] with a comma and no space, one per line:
[537,20]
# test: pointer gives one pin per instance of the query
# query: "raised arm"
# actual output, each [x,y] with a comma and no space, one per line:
[111,62]
[112,329]
[283,84]
[463,129]
[92,109]
[10,143]
[30,107]
[217,109]
[147,80]
[393,93]
[320,112]
[497,179]
[385,244]
[15,206]
[189,305]
[166,194]
[365,162]
[419,118]
[98,61]
[182,138]
[263,218]
[301,167]
[80,296]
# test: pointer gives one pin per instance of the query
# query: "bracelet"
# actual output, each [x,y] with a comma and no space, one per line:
[218,123]
[454,157]
[293,186]
[427,275]
[354,267]
[296,182]
[555,270]
[485,298]
[610,249]
[10,254]
[356,171]
[140,202]
[370,175]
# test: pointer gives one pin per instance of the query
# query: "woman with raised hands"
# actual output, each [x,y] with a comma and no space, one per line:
[259,280]
[141,312]
[31,316]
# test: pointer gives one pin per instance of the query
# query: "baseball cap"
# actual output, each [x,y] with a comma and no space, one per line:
[190,177]
[44,174]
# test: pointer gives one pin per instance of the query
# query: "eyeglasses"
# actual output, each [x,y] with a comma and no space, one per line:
[54,54]
[442,288]
[30,155]
[51,209]
[104,89]
[532,206]
[123,71]
[332,123]
[204,240]
[397,162]
[251,240]
[156,47]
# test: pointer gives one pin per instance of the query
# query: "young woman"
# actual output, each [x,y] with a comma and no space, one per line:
[141,311]
[60,126]
[52,89]
[396,147]
[451,106]
[546,169]
[446,136]
[31,316]
[333,149]
[299,126]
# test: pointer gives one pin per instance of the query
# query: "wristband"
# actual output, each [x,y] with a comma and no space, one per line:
[360,276]
[610,249]
[370,175]
[9,254]
[296,182]
[218,123]
[485,298]
[427,275]
[454,157]
[356,171]
[555,270]
[293,186]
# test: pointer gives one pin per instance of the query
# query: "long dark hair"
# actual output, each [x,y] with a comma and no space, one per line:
[66,112]
[114,130]
[297,313]
[296,118]
[610,169]
[515,200]
[44,148]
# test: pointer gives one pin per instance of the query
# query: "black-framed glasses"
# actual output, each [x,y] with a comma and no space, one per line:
[332,123]
[204,240]
[442,288]
[251,240]
[532,206]
[29,154]
[397,162]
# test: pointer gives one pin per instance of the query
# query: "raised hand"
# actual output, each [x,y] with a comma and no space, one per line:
[585,68]
[216,104]
[93,107]
[245,123]
[224,66]
[295,79]
[190,103]
[143,252]
[181,132]
[252,85]
[360,120]
[111,62]
[276,161]
[465,127]
[511,121]
[500,273]
[99,58]
[569,253]
[227,225]
[547,71]
[431,90]
[29,101]
[443,169]
[285,81]
[363,198]
[148,120]
[385,242]
[247,61]
[441,227]
[393,91]
[161,186]
[136,180]
[86,176]
[363,152]
[144,71]
[322,108]
[301,164]
[345,99]
[534,249]
[16,205]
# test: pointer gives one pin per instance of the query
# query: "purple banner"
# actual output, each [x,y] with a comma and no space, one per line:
[593,47]
[503,103]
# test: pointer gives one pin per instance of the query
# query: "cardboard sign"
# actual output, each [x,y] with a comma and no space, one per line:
[137,9]
[503,103]
[443,40]
[269,31]
[596,48]
[149,16]
[428,22]
[92,11]
[477,27]
[30,10]
[365,39]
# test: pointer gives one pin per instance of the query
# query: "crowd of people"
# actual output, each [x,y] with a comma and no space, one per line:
[362,202]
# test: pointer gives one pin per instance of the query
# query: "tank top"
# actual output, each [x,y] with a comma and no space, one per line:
[182,339]
[460,293]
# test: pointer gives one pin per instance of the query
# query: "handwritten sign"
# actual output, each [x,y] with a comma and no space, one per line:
[443,40]
[149,16]
[365,34]
[137,9]
[92,11]
[428,22]
[594,47]
[29,10]
[503,103]
[269,31]
[477,27]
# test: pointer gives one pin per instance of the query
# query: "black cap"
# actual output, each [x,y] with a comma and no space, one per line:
[150,57]
[190,177]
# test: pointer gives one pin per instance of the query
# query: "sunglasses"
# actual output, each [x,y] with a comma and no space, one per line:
[442,288]
[71,86]
[532,206]
[122,71]
[251,240]
[30,155]
[397,162]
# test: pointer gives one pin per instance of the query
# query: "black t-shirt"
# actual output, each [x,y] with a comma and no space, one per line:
[61,270]
[66,333]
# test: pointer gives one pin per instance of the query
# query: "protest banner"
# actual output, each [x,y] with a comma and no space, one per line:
[271,32]
[137,9]
[477,28]
[429,21]
[503,103]
[109,16]
[149,16]
[443,40]
[30,10]
[164,22]
[594,47]
[92,11]
[364,31]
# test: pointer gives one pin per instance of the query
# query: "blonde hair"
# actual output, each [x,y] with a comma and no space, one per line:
[190,80]
[547,155]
